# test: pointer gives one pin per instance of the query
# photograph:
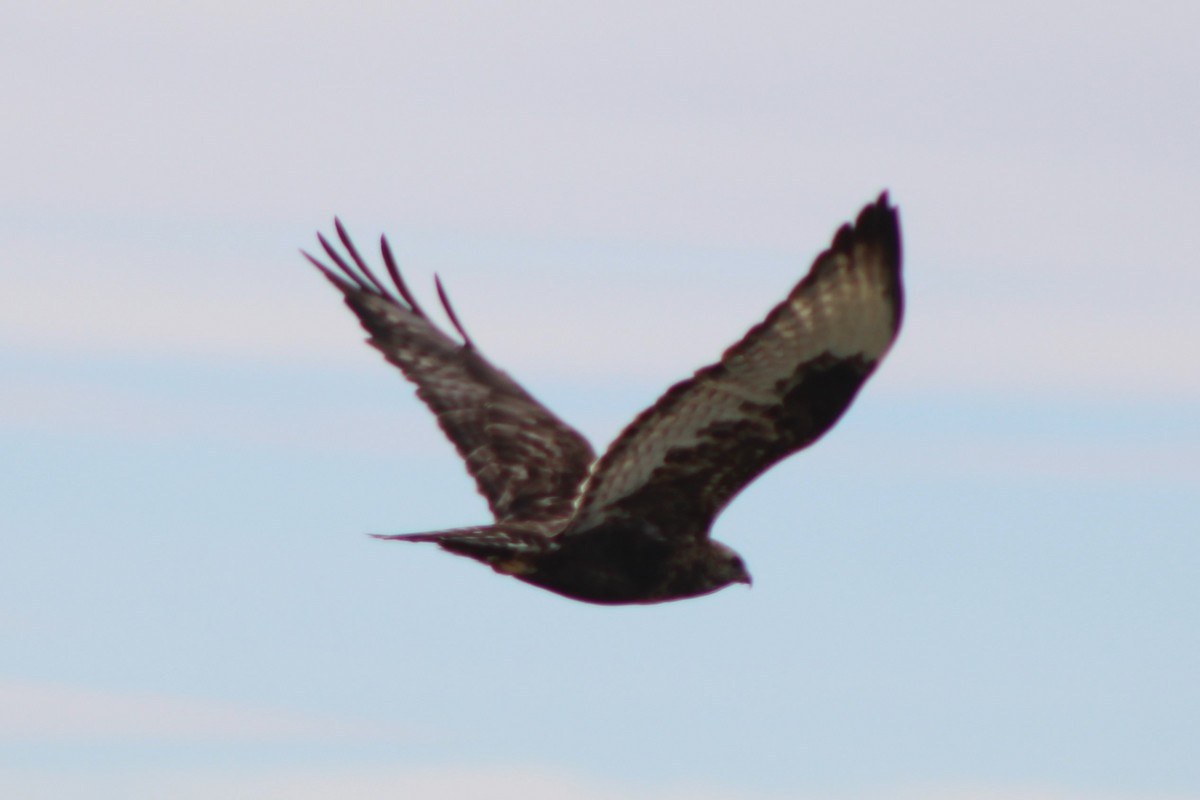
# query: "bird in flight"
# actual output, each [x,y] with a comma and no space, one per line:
[633,525]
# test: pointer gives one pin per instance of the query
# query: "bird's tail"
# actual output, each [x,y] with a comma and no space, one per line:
[484,542]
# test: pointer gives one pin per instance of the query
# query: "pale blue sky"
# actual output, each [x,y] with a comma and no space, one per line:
[982,584]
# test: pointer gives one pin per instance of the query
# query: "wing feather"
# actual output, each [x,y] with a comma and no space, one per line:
[773,393]
[526,462]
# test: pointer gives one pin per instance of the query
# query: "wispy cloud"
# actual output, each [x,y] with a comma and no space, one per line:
[46,712]
[463,783]
[1043,180]
[1023,342]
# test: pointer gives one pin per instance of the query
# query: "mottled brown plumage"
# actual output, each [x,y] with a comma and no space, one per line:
[633,527]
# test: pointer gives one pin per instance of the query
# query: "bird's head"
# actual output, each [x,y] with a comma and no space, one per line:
[725,566]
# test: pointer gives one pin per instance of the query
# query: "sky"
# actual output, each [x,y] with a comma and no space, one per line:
[982,584]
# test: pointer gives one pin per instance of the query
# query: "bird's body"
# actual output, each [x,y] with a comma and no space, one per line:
[633,526]
[619,563]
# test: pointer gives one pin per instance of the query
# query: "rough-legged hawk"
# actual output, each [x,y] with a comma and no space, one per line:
[633,525]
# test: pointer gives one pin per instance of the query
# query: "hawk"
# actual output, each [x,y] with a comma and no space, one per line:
[633,525]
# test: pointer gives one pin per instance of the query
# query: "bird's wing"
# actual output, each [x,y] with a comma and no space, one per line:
[773,393]
[527,462]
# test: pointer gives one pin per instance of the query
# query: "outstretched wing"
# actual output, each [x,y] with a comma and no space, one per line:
[774,392]
[527,462]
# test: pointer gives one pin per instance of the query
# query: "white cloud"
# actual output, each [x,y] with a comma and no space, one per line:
[981,792]
[985,338]
[982,451]
[466,783]
[44,712]
[1044,177]
[361,783]
[1029,347]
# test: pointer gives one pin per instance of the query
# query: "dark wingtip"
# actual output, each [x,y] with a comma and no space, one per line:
[337,259]
[880,209]
[324,269]
[389,261]
[363,268]
[450,311]
[877,224]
